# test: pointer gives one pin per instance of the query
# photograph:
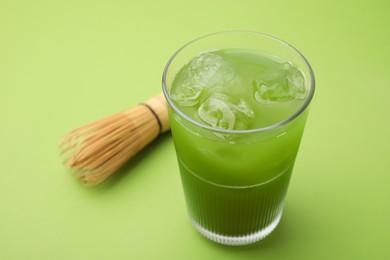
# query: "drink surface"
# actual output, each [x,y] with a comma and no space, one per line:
[237,89]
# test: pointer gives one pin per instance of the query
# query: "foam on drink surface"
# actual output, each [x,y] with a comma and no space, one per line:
[236,89]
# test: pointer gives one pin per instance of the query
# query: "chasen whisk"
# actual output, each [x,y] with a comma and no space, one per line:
[95,151]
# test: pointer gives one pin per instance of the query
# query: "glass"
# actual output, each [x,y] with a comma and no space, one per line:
[235,187]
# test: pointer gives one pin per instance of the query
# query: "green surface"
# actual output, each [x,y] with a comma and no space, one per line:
[63,64]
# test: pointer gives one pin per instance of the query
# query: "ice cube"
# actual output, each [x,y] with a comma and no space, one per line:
[217,113]
[221,111]
[280,85]
[296,81]
[209,69]
[244,108]
[187,94]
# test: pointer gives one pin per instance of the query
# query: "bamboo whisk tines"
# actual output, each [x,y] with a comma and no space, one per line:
[97,150]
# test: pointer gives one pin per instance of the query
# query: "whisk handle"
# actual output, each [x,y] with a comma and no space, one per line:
[158,106]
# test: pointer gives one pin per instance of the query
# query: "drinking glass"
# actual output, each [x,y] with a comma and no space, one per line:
[235,187]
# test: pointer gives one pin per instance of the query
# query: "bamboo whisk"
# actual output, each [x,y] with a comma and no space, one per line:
[95,151]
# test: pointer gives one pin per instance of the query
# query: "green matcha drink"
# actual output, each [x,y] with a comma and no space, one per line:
[237,116]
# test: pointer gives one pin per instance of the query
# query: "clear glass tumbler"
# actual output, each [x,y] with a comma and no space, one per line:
[235,187]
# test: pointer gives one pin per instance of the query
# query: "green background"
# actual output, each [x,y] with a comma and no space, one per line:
[66,63]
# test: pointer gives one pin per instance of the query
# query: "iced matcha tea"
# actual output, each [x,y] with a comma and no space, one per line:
[237,115]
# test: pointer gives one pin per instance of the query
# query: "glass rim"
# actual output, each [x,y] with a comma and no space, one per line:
[298,112]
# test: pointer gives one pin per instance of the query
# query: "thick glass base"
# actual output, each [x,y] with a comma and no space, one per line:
[239,240]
